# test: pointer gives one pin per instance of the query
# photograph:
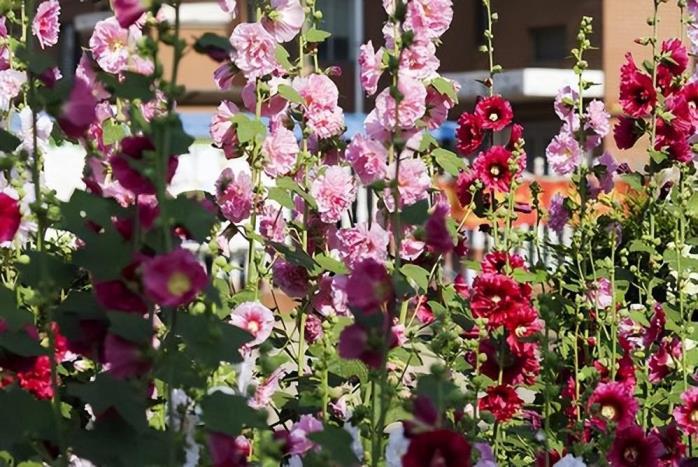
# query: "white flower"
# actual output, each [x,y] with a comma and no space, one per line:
[570,461]
[397,446]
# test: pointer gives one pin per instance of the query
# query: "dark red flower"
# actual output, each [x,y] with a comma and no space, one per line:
[632,448]
[612,402]
[686,414]
[637,94]
[626,133]
[515,136]
[502,401]
[423,312]
[674,56]
[438,237]
[690,95]
[443,448]
[10,217]
[132,151]
[470,134]
[496,262]
[494,113]
[493,168]
[519,366]
[37,379]
[464,182]
[674,447]
[358,342]
[228,451]
[667,357]
[125,359]
[522,323]
[116,296]
[461,286]
[656,328]
[495,296]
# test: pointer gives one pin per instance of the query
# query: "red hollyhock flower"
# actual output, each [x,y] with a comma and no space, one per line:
[470,134]
[37,379]
[10,217]
[522,322]
[674,62]
[625,374]
[632,448]
[637,94]
[612,402]
[496,261]
[516,135]
[493,168]
[546,459]
[626,133]
[494,112]
[463,183]
[686,414]
[569,396]
[115,295]
[672,440]
[662,362]
[657,323]
[502,401]
[132,151]
[519,366]
[125,359]
[495,296]
[461,286]
[443,448]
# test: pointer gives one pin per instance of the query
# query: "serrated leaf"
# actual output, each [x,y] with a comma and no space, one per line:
[416,274]
[316,35]
[448,161]
[445,87]
[290,94]
[330,264]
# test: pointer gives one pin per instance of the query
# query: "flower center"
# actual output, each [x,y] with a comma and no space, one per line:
[495,171]
[496,299]
[178,284]
[494,117]
[253,326]
[694,416]
[609,412]
[520,331]
[631,454]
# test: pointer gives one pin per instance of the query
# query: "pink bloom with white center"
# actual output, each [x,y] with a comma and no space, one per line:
[272,224]
[564,153]
[368,158]
[229,6]
[600,293]
[558,215]
[110,46]
[173,279]
[45,25]
[285,20]
[334,191]
[413,182]
[128,12]
[222,131]
[326,122]
[265,391]
[11,82]
[254,318]
[280,150]
[4,49]
[255,50]
[371,65]
[429,18]
[234,195]
[79,112]
[598,118]
[686,414]
[298,437]
[358,243]
[410,109]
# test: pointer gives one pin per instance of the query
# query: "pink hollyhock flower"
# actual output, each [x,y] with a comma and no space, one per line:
[598,118]
[265,391]
[110,46]
[334,191]
[280,150]
[272,224]
[79,112]
[292,279]
[501,401]
[11,82]
[116,295]
[369,286]
[272,106]
[656,327]
[359,243]
[10,218]
[331,298]
[564,153]
[368,158]
[558,215]
[45,25]
[317,91]
[254,318]
[494,113]
[438,105]
[608,166]
[438,237]
[355,344]
[371,63]
[439,447]
[664,360]
[565,104]
[493,168]
[413,183]
[410,109]
[631,448]
[686,414]
[234,195]
[224,75]
[133,149]
[419,60]
[612,402]
[423,311]
[626,133]
[255,50]
[125,359]
[677,57]
[128,12]
[4,49]
[86,72]
[637,94]
[326,122]
[285,20]
[228,451]
[173,279]
[222,131]
[298,437]
[600,293]
[429,19]
[313,329]
[229,6]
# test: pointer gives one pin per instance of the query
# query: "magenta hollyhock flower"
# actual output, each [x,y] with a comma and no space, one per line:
[637,94]
[612,402]
[116,295]
[299,443]
[79,112]
[110,46]
[369,286]
[597,119]
[228,451]
[499,262]
[632,448]
[125,359]
[11,82]
[225,73]
[564,153]
[413,183]
[358,243]
[626,133]
[354,344]
[429,19]
[677,57]
[558,215]
[493,168]
[439,447]
[272,224]
[285,20]
[292,279]
[686,414]
[10,218]
[86,72]
[494,113]
[133,149]
[371,64]
[501,401]
[664,360]
[222,131]
[229,6]
[128,12]
[368,158]
[521,366]
[438,237]
[173,279]
[334,191]
[255,50]
[45,25]
[254,318]
[280,150]
[410,109]
[313,329]
[4,49]
[234,195]
[600,293]
[464,182]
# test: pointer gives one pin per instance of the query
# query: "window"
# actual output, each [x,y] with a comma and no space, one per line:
[549,43]
[338,19]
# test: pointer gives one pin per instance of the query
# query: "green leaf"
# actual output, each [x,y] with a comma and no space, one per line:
[416,274]
[47,272]
[415,214]
[640,246]
[131,86]
[281,196]
[658,156]
[210,41]
[249,129]
[290,94]
[84,206]
[634,180]
[209,340]
[14,318]
[692,207]
[445,87]
[188,212]
[336,442]
[316,35]
[130,326]
[330,264]
[113,132]
[524,277]
[170,131]
[228,414]
[92,255]
[282,56]
[448,161]
[289,184]
[29,416]
[294,255]
[8,141]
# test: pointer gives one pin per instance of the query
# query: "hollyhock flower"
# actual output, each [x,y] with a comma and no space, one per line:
[86,72]
[522,322]
[11,82]
[78,113]
[570,461]
[222,131]
[355,344]
[429,19]
[439,447]
[317,91]
[358,243]
[564,153]
[558,215]
[464,185]
[285,20]
[637,94]
[565,102]
[494,296]
[413,182]
[631,448]
[234,195]
[326,122]
[254,318]
[438,106]
[626,133]
[656,327]
[600,293]
[280,150]
[368,158]
[334,191]
[612,402]
[109,44]
[502,401]
[37,379]
[313,329]
[298,436]
[331,298]
[272,224]
[265,391]
[255,50]
[494,113]
[116,295]
[438,237]
[371,63]
[675,56]
[686,414]
[369,286]
[133,149]
[4,49]
[664,360]
[173,279]
[423,312]
[419,60]
[470,134]
[45,25]
[10,218]
[674,449]
[44,127]
[498,261]
[128,12]
[273,105]
[292,279]
[461,286]
[519,366]
[609,167]
[597,119]
[228,451]
[486,458]
[229,6]
[493,169]
[225,73]
[125,359]
[410,109]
